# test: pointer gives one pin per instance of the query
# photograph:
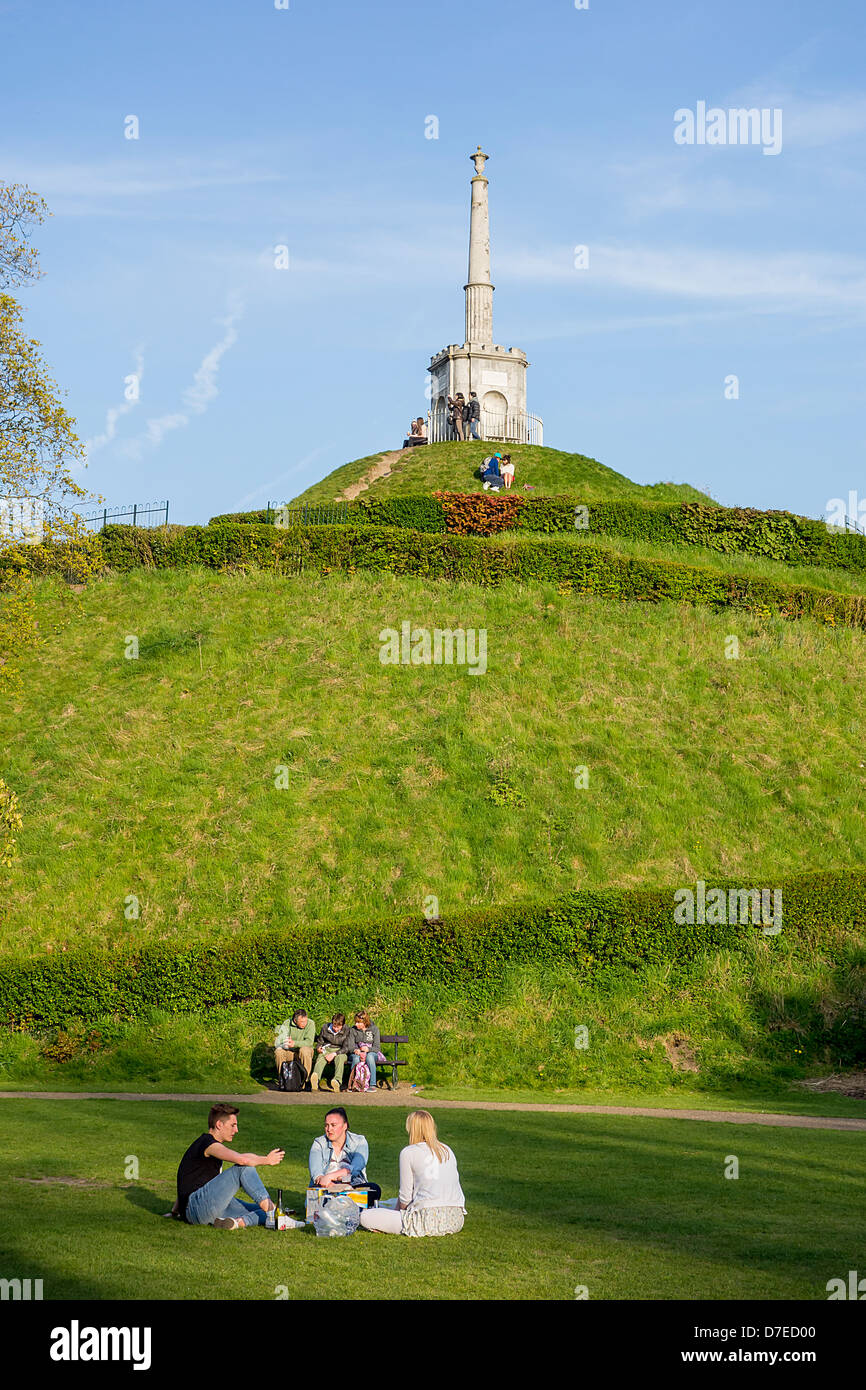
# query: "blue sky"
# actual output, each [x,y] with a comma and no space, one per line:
[305,127]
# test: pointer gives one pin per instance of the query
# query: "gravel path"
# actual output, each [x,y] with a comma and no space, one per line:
[407,1099]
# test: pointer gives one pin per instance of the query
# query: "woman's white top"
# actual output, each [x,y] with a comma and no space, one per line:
[425,1182]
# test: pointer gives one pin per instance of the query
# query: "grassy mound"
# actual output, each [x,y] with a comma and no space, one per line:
[154,778]
[452,467]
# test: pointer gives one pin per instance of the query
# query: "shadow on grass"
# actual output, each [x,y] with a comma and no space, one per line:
[147,1200]
[263,1064]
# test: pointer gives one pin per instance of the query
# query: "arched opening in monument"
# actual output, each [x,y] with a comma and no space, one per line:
[494,415]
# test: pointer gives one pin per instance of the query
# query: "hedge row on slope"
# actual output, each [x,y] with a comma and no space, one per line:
[774,535]
[602,936]
[584,569]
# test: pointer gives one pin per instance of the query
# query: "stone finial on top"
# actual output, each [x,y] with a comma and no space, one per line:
[478,158]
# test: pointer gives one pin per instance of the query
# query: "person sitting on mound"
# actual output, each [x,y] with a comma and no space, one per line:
[416,434]
[206,1195]
[490,474]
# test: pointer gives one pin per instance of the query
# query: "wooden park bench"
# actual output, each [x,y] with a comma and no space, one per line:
[395,1062]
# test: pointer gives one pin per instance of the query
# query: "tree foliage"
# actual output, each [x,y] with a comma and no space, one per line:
[38,443]
[20,207]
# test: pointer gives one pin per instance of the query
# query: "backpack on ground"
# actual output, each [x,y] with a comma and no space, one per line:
[293,1075]
[360,1078]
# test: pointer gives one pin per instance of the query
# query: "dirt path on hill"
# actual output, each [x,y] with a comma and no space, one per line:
[377,470]
[411,1099]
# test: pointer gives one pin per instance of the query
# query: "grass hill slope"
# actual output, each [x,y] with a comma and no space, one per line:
[156,778]
[452,467]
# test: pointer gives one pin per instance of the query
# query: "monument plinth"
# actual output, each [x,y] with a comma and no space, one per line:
[496,374]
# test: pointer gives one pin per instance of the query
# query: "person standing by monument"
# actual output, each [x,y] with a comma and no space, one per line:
[459,414]
[473,416]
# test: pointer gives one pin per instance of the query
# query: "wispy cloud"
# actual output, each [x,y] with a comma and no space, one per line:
[115,412]
[810,121]
[116,179]
[197,397]
[660,185]
[794,280]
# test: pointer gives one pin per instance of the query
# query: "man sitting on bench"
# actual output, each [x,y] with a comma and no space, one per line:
[294,1039]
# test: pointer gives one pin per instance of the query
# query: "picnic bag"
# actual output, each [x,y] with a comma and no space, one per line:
[293,1075]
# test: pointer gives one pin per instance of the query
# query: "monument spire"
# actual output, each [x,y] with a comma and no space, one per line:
[479,290]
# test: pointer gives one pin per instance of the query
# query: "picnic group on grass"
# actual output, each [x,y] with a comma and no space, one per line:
[430,1201]
[297,1044]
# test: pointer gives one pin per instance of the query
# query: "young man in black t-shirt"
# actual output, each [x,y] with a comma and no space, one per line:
[206,1195]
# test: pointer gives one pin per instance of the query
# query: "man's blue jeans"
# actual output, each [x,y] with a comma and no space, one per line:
[217,1198]
[473,429]
[371,1063]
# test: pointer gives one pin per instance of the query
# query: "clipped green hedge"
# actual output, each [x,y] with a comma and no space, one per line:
[418,512]
[585,569]
[600,935]
[731,530]
[775,535]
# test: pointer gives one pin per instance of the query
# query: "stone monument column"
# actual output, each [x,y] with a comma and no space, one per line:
[479,290]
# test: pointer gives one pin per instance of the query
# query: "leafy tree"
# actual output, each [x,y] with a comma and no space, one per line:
[19,208]
[38,444]
[37,440]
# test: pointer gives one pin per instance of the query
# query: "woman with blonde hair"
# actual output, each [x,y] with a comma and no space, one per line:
[431,1201]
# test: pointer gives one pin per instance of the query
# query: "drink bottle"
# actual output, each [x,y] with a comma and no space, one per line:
[278,1211]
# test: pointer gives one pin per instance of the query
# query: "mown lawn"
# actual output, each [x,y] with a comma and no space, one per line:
[630,1208]
[155,778]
